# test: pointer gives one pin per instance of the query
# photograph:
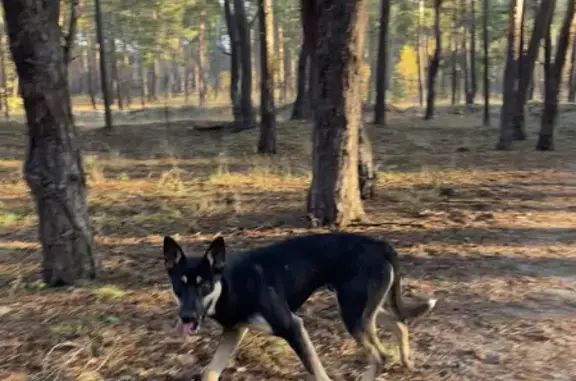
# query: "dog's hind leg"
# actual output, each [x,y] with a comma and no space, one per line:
[228,343]
[400,333]
[359,309]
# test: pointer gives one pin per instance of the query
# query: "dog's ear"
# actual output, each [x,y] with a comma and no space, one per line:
[173,253]
[216,253]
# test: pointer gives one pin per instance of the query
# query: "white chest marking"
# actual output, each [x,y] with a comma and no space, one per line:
[210,300]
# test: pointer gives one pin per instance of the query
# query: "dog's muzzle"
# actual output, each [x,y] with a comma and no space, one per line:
[188,324]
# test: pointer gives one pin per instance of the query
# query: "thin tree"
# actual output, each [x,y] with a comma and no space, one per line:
[434,63]
[334,195]
[202,87]
[454,58]
[549,117]
[53,166]
[4,84]
[473,80]
[541,22]
[510,74]
[246,110]
[267,142]
[419,52]
[103,65]
[235,63]
[486,13]
[382,65]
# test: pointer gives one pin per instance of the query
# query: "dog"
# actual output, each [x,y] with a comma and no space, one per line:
[263,288]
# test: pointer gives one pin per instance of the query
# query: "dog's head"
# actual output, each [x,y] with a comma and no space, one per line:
[195,282]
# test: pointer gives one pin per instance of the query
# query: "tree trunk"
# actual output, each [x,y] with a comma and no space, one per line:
[464,53]
[53,167]
[510,74]
[234,61]
[202,59]
[301,108]
[381,66]
[572,72]
[553,81]
[419,53]
[281,73]
[142,74]
[6,104]
[334,197]
[267,142]
[116,85]
[72,30]
[454,59]
[103,65]
[473,79]
[90,43]
[310,29]
[247,113]
[288,72]
[434,63]
[527,62]
[366,170]
[486,117]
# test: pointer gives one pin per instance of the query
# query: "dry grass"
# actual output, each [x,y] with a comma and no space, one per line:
[489,233]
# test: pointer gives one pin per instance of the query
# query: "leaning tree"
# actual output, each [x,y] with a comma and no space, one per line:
[53,166]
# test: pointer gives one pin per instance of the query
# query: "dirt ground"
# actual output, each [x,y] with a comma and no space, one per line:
[491,234]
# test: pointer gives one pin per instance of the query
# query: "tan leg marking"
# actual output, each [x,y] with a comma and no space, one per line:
[400,332]
[228,343]
[319,373]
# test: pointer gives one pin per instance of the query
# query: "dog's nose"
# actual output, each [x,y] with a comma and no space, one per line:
[188,317]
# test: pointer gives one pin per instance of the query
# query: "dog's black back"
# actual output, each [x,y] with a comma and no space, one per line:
[296,267]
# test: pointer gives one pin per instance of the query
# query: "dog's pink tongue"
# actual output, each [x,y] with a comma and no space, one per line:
[185,329]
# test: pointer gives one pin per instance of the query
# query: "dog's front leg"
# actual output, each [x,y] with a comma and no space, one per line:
[228,343]
[298,338]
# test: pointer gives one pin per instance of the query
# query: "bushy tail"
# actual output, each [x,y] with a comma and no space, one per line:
[405,313]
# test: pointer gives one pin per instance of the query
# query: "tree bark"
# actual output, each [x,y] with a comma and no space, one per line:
[572,72]
[334,197]
[267,141]
[381,66]
[53,166]
[510,74]
[473,79]
[454,59]
[235,63]
[281,73]
[103,65]
[553,80]
[246,110]
[116,85]
[486,117]
[202,59]
[6,104]
[527,62]
[301,108]
[419,53]
[72,29]
[434,63]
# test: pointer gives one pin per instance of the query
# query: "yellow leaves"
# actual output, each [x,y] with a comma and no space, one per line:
[407,69]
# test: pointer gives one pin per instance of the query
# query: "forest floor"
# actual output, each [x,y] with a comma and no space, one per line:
[491,234]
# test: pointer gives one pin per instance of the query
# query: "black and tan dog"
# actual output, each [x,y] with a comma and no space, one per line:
[263,288]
